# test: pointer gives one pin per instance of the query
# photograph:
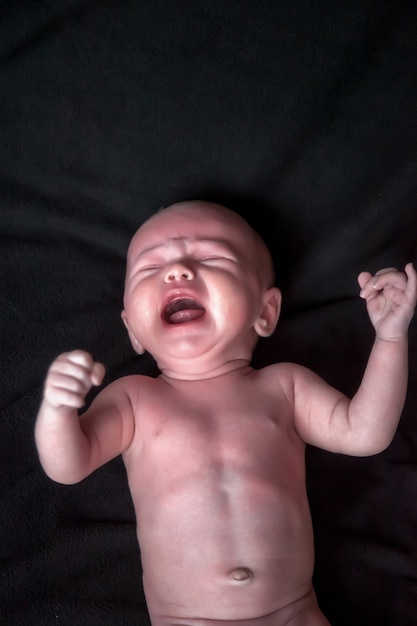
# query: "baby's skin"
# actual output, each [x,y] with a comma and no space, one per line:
[214,450]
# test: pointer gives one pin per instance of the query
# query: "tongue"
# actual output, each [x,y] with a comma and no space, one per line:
[183,310]
[185,315]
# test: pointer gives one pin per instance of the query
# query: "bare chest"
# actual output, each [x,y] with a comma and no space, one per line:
[217,431]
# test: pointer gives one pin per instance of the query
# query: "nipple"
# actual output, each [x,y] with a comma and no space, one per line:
[241,574]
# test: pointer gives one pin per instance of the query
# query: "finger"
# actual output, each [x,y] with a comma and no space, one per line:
[80,357]
[367,282]
[64,398]
[62,367]
[63,394]
[363,279]
[385,270]
[411,288]
[73,384]
[97,373]
[389,279]
[78,364]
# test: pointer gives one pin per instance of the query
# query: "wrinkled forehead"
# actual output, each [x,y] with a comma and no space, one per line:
[204,221]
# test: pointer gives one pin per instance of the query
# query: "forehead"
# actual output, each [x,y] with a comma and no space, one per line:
[197,223]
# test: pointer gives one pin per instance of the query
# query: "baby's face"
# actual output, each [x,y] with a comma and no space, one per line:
[195,282]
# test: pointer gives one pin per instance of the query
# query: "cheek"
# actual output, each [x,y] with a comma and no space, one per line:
[235,303]
[140,305]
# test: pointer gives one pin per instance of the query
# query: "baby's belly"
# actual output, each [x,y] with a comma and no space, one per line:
[228,552]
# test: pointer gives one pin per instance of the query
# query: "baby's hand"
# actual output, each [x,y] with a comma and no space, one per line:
[391,299]
[70,378]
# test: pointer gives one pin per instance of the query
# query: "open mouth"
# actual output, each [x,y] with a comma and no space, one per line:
[182,310]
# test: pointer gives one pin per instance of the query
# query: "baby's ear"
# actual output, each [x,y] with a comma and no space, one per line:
[271,307]
[137,346]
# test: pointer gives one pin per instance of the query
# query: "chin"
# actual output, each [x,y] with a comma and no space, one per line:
[183,351]
[190,355]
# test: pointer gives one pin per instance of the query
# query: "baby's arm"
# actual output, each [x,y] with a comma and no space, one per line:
[71,447]
[367,423]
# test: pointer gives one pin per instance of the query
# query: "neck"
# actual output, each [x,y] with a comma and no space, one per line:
[187,374]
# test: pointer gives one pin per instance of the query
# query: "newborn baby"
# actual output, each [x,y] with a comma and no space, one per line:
[214,450]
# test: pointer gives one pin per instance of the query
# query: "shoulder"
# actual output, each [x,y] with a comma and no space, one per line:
[285,377]
[131,382]
[275,379]
[126,390]
[285,372]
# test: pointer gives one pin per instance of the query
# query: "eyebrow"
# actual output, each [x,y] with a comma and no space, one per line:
[219,241]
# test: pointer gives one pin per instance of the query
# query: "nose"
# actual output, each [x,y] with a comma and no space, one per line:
[179,271]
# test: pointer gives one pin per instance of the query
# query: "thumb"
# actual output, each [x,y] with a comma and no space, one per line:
[97,373]
[363,278]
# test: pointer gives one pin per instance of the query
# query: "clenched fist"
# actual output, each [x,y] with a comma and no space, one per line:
[70,378]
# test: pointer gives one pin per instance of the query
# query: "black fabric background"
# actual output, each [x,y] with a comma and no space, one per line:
[299,115]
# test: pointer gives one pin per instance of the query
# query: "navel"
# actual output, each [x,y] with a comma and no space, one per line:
[241,574]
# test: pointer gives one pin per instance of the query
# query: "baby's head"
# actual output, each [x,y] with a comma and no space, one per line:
[199,288]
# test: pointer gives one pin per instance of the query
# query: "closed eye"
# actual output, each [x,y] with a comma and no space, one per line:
[149,268]
[216,259]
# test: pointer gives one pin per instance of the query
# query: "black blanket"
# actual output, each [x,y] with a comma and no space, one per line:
[299,115]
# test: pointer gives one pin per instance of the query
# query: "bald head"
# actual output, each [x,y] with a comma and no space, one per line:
[230,221]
